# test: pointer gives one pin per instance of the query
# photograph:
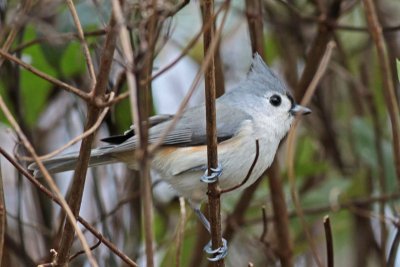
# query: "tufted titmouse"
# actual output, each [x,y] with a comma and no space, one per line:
[260,108]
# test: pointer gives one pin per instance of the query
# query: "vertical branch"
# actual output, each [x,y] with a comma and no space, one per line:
[329,241]
[139,98]
[212,156]
[254,20]
[82,40]
[317,49]
[78,182]
[143,93]
[321,68]
[219,74]
[378,137]
[281,219]
[394,249]
[388,87]
[49,180]
[25,8]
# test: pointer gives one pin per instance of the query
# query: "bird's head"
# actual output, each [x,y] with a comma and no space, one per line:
[278,106]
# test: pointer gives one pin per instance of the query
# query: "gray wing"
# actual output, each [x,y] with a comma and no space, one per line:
[190,130]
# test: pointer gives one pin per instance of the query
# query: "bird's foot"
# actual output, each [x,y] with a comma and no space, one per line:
[213,177]
[218,253]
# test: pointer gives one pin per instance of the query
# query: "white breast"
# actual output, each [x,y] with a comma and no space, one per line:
[235,155]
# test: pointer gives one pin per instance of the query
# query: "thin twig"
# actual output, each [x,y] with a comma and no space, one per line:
[223,191]
[265,224]
[78,138]
[81,252]
[276,187]
[291,147]
[24,9]
[393,249]
[56,200]
[281,217]
[347,205]
[139,111]
[184,52]
[68,36]
[186,49]
[193,87]
[329,241]
[254,16]
[78,181]
[45,76]
[388,86]
[81,37]
[317,50]
[49,180]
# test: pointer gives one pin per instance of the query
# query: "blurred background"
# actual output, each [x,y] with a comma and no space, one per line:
[344,163]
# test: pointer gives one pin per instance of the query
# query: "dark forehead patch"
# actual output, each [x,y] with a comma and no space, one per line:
[291,99]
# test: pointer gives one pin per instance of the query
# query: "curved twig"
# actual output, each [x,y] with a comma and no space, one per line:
[56,200]
[248,173]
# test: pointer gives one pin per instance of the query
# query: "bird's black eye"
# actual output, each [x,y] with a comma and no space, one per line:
[275,100]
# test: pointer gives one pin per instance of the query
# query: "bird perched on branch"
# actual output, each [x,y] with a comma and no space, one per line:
[260,108]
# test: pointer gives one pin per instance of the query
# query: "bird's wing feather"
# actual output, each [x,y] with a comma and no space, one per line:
[153,120]
[190,130]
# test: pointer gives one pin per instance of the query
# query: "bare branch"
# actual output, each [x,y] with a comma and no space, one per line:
[56,200]
[81,38]
[45,76]
[291,147]
[329,241]
[223,191]
[388,86]
[49,180]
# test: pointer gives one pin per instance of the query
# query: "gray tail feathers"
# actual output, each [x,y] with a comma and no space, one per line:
[68,162]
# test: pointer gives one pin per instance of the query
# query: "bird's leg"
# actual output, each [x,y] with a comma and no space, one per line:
[221,251]
[213,177]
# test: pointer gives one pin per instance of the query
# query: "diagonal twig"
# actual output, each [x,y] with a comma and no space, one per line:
[56,200]
[45,76]
[291,147]
[79,178]
[78,138]
[388,86]
[81,37]
[223,191]
[49,180]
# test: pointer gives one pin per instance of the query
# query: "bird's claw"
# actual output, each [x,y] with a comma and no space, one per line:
[213,177]
[220,252]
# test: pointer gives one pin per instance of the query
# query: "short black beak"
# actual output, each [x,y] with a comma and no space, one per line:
[297,109]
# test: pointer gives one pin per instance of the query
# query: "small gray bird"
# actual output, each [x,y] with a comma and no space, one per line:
[260,108]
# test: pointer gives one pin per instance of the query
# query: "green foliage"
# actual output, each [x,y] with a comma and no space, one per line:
[271,48]
[122,115]
[72,62]
[34,90]
[366,151]
[305,152]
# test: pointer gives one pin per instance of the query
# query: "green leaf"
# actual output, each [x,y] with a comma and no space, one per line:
[72,62]
[122,115]
[34,90]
